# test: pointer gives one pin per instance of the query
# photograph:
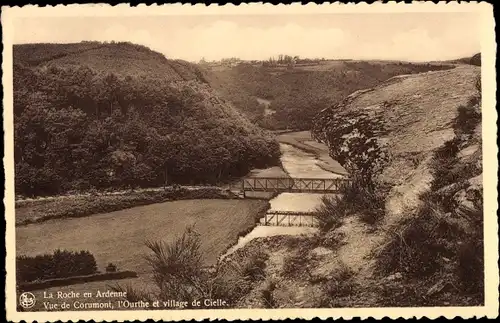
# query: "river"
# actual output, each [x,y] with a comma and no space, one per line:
[298,164]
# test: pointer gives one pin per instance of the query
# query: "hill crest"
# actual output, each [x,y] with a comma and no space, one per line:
[122,58]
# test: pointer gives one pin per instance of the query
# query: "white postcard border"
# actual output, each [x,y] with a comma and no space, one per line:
[490,161]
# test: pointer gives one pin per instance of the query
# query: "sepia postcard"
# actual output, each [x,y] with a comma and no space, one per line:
[179,162]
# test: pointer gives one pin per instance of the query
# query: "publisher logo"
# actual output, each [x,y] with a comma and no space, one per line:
[27,300]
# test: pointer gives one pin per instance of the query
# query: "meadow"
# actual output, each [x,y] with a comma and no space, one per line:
[79,205]
[119,236]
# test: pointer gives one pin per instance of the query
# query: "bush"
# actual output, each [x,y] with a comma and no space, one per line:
[470,269]
[367,199]
[177,267]
[179,273]
[267,294]
[433,249]
[60,264]
[253,268]
[331,212]
[418,248]
[445,158]
[446,166]
[470,254]
[468,118]
[111,268]
[341,284]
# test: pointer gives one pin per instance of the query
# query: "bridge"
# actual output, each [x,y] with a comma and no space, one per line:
[292,185]
[289,218]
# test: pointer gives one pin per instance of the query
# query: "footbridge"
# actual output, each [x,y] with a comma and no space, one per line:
[292,185]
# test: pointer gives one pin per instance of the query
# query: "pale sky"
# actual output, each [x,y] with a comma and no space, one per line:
[400,36]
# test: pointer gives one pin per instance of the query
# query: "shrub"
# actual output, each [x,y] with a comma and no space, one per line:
[341,283]
[437,249]
[332,239]
[470,267]
[253,268]
[177,267]
[446,166]
[359,196]
[417,249]
[331,212]
[235,277]
[477,84]
[365,198]
[110,268]
[468,118]
[267,294]
[60,264]
[448,150]
[179,273]
[442,164]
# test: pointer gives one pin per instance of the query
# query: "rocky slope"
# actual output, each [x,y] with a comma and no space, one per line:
[410,116]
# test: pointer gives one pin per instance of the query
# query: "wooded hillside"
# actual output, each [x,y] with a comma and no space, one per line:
[297,94]
[97,115]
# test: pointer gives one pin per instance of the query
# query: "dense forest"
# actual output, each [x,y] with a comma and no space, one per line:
[99,124]
[297,94]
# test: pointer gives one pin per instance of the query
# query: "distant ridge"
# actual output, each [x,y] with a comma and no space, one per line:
[473,60]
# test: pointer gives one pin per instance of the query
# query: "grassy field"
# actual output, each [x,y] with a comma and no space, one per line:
[74,206]
[304,141]
[119,236]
